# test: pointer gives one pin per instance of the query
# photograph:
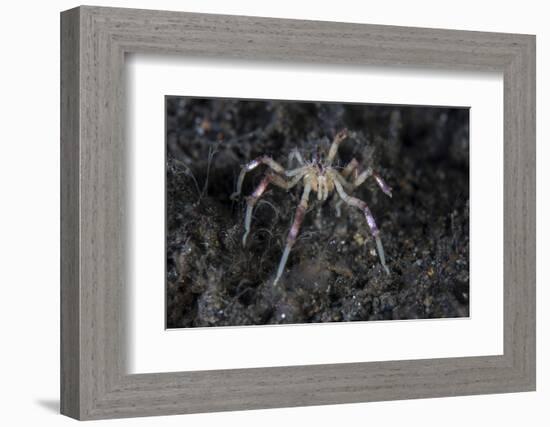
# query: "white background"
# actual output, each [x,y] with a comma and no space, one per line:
[29,224]
[152,349]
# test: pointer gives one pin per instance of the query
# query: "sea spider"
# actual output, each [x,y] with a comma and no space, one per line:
[320,176]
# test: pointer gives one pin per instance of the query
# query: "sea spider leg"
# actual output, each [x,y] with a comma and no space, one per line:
[337,177]
[358,178]
[287,185]
[266,160]
[295,154]
[369,172]
[382,184]
[338,207]
[293,233]
[260,189]
[340,136]
[251,201]
[350,167]
[358,203]
[297,171]
[353,165]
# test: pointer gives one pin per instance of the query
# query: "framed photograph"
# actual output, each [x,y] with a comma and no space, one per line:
[221,272]
[263,213]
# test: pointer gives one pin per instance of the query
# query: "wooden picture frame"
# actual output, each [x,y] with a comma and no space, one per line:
[94,382]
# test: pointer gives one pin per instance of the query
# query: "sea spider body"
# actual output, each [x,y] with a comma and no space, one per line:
[319,176]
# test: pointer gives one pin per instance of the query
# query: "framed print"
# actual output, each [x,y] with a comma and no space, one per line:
[261,213]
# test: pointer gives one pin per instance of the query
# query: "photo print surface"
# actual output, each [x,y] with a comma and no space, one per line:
[286,212]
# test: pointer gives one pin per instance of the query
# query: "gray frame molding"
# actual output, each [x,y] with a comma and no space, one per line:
[94,41]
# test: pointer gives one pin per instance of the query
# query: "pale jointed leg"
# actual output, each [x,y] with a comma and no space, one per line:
[294,229]
[295,154]
[352,168]
[382,184]
[337,177]
[359,178]
[283,183]
[360,204]
[340,136]
[266,160]
[338,207]
[297,171]
[253,198]
[251,201]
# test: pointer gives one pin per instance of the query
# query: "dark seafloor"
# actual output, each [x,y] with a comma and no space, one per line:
[333,272]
